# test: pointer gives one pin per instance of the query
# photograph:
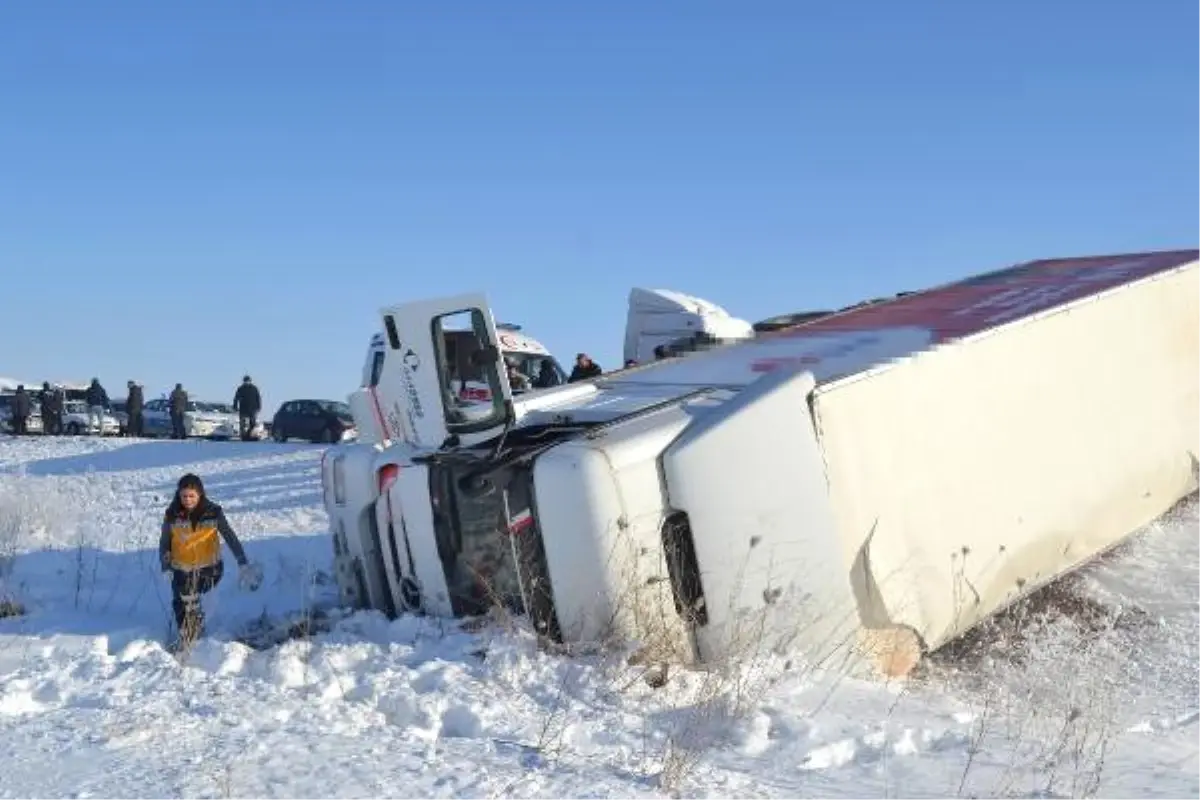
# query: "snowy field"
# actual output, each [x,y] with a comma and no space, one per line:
[1093,691]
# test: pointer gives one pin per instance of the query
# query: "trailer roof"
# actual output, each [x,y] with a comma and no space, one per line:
[982,302]
[862,338]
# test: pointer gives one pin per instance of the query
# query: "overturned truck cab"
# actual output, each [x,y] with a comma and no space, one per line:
[576,506]
[872,483]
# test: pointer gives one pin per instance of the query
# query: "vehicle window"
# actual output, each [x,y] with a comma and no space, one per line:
[334,407]
[461,346]
[465,354]
[542,370]
[288,408]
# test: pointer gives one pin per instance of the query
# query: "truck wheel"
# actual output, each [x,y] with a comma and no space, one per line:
[278,435]
[73,429]
[327,436]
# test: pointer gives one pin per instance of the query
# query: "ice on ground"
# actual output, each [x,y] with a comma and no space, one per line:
[1052,700]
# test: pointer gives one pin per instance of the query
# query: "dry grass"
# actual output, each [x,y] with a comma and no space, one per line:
[1049,732]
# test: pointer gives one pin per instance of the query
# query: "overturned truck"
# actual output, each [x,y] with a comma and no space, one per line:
[873,482]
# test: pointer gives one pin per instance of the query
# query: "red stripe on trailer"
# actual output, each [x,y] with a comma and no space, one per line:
[987,301]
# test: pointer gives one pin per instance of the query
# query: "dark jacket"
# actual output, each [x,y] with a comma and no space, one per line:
[47,402]
[179,401]
[247,400]
[134,401]
[21,404]
[96,396]
[207,515]
[546,376]
[581,373]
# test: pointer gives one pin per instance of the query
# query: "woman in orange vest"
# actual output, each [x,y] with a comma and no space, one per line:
[190,552]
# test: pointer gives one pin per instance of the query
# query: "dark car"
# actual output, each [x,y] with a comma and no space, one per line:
[316,420]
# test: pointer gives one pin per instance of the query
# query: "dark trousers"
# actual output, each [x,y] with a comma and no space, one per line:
[133,427]
[177,431]
[18,425]
[186,590]
[246,423]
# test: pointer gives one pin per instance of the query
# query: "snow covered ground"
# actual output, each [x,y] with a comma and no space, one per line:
[1064,698]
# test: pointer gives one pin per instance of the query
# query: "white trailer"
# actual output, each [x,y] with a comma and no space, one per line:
[877,480]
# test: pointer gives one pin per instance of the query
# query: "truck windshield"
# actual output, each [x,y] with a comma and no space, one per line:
[542,370]
[337,408]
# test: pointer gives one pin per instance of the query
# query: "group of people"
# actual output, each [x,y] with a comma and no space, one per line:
[548,376]
[52,403]
[247,402]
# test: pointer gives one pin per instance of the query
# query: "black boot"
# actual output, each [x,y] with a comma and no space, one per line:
[189,618]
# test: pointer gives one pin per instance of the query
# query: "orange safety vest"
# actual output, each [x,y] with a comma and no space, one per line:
[196,546]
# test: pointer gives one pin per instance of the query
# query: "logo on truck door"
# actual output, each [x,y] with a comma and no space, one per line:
[410,387]
[411,409]
[411,360]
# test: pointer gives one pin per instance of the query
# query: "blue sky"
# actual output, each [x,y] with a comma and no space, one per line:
[193,191]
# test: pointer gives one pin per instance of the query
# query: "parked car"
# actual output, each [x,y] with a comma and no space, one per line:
[259,432]
[32,425]
[199,420]
[325,421]
[76,421]
[117,409]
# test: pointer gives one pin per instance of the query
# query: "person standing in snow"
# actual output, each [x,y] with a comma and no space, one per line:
[97,402]
[179,403]
[47,407]
[22,407]
[53,424]
[247,402]
[134,401]
[189,550]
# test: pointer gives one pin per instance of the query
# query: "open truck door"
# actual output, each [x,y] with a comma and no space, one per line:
[432,342]
[434,348]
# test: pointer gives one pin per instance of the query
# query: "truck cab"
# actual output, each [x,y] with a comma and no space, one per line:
[661,322]
[356,475]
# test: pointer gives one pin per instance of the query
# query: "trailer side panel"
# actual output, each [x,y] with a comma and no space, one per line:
[966,475]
